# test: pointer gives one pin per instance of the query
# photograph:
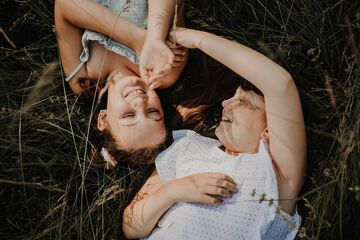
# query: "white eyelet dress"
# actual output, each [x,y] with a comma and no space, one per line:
[252,213]
[135,11]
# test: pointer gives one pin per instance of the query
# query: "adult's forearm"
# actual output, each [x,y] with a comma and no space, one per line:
[161,15]
[248,63]
[88,14]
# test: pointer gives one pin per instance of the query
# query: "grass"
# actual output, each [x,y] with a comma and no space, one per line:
[49,192]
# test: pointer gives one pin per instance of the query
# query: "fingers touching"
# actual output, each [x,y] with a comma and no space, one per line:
[157,59]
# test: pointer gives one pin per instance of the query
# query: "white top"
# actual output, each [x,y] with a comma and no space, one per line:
[249,214]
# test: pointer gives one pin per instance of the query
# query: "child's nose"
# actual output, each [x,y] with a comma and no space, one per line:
[139,101]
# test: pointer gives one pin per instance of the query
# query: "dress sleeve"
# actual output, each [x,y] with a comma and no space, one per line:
[283,227]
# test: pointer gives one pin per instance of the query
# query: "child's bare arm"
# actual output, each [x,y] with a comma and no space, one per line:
[72,16]
[155,197]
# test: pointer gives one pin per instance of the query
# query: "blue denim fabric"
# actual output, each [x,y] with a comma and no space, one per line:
[283,227]
[135,11]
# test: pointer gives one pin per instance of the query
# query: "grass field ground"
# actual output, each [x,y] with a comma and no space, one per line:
[49,192]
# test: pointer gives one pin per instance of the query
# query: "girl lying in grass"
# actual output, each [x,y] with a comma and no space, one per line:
[130,117]
[243,186]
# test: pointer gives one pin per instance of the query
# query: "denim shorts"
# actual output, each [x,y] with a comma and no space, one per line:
[135,11]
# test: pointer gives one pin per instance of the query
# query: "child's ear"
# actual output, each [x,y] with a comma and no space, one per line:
[101,120]
[265,135]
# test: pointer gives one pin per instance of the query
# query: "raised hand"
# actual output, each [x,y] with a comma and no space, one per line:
[155,59]
[179,52]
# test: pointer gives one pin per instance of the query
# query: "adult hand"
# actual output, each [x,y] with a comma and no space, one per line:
[155,59]
[179,52]
[207,188]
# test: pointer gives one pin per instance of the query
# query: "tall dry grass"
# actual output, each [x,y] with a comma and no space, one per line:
[48,191]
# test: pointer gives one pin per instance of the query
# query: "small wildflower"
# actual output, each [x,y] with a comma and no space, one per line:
[271,202]
[54,99]
[302,232]
[292,225]
[327,172]
[277,210]
[285,217]
[354,189]
[253,193]
[311,51]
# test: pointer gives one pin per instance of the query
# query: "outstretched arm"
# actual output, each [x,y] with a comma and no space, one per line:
[283,107]
[72,16]
[155,197]
[88,14]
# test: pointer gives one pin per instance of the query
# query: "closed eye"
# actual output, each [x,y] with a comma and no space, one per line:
[248,104]
[129,115]
[153,110]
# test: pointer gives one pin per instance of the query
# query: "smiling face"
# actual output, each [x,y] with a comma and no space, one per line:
[134,116]
[243,122]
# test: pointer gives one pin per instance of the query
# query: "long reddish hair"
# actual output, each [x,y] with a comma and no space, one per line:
[201,108]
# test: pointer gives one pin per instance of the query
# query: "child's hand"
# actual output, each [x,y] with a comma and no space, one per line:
[206,188]
[179,52]
[155,59]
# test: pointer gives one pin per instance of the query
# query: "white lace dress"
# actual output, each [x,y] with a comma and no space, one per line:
[251,213]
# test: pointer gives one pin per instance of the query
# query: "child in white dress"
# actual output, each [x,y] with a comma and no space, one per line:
[243,186]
